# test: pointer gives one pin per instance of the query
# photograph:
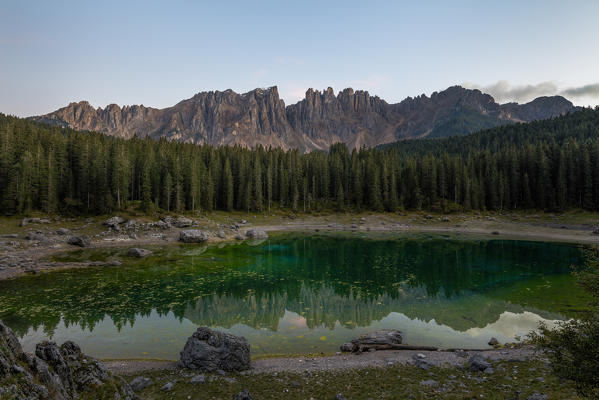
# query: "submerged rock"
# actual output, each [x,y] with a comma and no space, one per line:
[193,236]
[209,350]
[138,253]
[256,234]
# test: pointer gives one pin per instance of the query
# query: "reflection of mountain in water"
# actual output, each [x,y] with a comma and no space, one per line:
[321,306]
[324,279]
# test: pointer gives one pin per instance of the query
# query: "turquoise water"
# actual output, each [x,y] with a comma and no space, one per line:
[298,293]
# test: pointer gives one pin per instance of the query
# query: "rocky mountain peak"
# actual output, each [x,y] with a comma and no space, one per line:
[321,118]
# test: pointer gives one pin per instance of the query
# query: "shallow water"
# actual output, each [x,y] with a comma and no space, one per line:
[298,293]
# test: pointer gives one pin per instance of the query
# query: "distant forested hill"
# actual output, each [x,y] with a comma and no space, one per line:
[548,165]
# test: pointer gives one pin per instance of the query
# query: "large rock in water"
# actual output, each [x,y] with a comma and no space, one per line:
[193,236]
[54,372]
[209,350]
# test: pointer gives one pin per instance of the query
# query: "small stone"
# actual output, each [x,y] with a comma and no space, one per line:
[339,396]
[478,363]
[429,382]
[140,383]
[201,378]
[537,396]
[167,387]
[243,395]
[62,231]
[295,384]
[489,371]
[493,342]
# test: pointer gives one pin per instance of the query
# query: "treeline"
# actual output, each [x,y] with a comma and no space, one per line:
[548,165]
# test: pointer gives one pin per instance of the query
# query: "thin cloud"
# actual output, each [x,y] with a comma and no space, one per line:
[503,91]
[591,90]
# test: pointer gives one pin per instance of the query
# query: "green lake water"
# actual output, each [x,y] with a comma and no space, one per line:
[298,293]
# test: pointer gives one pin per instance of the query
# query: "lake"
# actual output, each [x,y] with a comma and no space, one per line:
[299,293]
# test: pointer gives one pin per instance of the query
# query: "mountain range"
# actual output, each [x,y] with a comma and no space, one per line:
[260,117]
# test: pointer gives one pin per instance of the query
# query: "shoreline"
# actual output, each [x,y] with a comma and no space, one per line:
[31,256]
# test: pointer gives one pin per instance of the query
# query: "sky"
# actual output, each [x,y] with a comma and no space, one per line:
[157,53]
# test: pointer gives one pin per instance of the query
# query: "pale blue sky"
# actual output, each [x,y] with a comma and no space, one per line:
[157,53]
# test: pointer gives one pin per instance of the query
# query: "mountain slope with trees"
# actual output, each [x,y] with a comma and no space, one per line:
[547,165]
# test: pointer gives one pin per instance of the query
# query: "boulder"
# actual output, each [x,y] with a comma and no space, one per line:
[36,237]
[478,363]
[81,241]
[138,253]
[193,236]
[256,234]
[62,231]
[140,383]
[493,342]
[114,222]
[221,234]
[209,351]
[183,222]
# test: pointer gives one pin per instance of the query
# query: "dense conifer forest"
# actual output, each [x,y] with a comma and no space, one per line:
[546,165]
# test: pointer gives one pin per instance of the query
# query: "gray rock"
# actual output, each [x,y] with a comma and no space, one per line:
[339,396]
[429,382]
[201,378]
[183,222]
[65,372]
[36,237]
[239,237]
[209,350]
[114,222]
[537,396]
[81,241]
[489,371]
[24,222]
[138,253]
[243,395]
[493,342]
[140,383]
[478,363]
[133,236]
[346,347]
[62,231]
[221,234]
[256,234]
[193,236]
[167,387]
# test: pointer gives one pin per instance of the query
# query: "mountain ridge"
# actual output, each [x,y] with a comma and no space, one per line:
[260,117]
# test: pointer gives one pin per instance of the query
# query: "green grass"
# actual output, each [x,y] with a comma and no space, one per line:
[510,380]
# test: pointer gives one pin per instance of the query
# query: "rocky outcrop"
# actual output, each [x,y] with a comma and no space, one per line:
[209,351]
[54,372]
[321,119]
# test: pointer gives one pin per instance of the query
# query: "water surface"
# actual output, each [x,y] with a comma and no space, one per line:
[298,293]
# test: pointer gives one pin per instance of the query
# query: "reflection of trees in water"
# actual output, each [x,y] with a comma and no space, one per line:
[321,306]
[325,279]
